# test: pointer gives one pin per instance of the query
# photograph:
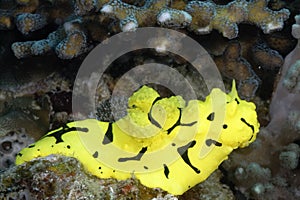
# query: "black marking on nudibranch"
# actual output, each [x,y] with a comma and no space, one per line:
[166,171]
[225,126]
[189,124]
[65,129]
[31,146]
[251,126]
[177,123]
[95,155]
[145,167]
[108,137]
[150,118]
[137,157]
[20,154]
[237,101]
[183,151]
[209,142]
[211,116]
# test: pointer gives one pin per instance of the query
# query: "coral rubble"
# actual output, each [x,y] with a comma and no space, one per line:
[57,177]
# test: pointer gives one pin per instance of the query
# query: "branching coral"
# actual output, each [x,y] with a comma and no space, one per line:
[225,18]
[234,66]
[199,16]
[153,11]
[28,22]
[68,42]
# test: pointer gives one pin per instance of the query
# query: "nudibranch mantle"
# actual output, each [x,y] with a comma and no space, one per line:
[159,141]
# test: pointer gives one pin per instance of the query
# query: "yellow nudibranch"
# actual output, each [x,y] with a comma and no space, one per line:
[161,141]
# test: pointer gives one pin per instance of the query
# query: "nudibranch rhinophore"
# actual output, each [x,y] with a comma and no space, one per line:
[163,142]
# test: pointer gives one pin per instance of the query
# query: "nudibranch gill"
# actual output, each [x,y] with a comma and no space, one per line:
[163,142]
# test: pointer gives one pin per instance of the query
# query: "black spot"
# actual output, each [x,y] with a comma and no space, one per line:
[31,146]
[251,126]
[225,126]
[145,167]
[173,144]
[114,171]
[57,134]
[101,172]
[99,167]
[52,145]
[183,151]
[237,101]
[211,116]
[108,137]
[137,157]
[95,155]
[209,142]
[20,154]
[38,149]
[68,146]
[166,171]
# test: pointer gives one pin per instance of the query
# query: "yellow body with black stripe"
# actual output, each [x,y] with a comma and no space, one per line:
[163,142]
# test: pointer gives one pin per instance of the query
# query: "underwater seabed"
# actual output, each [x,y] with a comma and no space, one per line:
[43,44]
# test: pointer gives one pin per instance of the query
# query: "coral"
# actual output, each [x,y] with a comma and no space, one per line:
[281,42]
[10,145]
[225,18]
[290,156]
[27,113]
[57,177]
[291,81]
[28,22]
[232,65]
[212,188]
[296,28]
[199,16]
[132,17]
[6,21]
[285,98]
[68,42]
[266,57]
